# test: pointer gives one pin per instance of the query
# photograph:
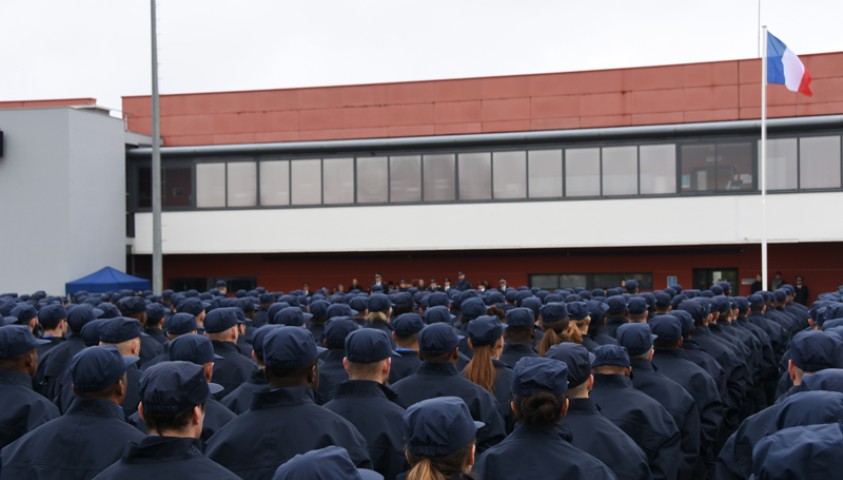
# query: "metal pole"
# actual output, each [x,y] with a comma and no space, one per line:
[764,159]
[157,260]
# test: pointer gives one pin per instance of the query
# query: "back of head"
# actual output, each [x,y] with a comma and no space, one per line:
[323,464]
[538,389]
[169,393]
[439,435]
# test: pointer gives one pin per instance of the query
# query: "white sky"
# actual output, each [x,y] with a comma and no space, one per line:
[100,48]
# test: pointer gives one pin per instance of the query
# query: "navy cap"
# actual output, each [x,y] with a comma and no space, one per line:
[340,310]
[91,332]
[108,310]
[379,302]
[756,301]
[172,387]
[119,330]
[220,283]
[537,374]
[337,330]
[192,305]
[485,330]
[610,355]
[79,315]
[636,305]
[597,310]
[438,299]
[815,350]
[220,320]
[810,451]
[155,312]
[329,463]
[24,313]
[533,303]
[662,299]
[437,339]
[192,348]
[472,308]
[520,317]
[438,427]
[686,321]
[438,315]
[97,368]
[617,305]
[15,340]
[402,300]
[407,324]
[291,317]
[697,309]
[258,337]
[319,308]
[360,303]
[635,337]
[181,323]
[576,357]
[51,314]
[265,298]
[779,296]
[131,306]
[631,285]
[368,345]
[289,347]
[554,312]
[666,327]
[578,310]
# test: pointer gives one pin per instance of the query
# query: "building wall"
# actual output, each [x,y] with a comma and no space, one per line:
[702,92]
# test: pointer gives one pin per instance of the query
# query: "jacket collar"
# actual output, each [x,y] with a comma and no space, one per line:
[585,405]
[281,397]
[364,389]
[612,381]
[10,377]
[154,449]
[95,407]
[438,368]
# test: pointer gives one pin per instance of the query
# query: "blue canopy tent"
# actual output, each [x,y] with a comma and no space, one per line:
[107,279]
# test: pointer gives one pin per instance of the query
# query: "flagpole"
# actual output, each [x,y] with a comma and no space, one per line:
[157,256]
[764,157]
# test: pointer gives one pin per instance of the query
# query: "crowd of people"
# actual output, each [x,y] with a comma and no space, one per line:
[422,383]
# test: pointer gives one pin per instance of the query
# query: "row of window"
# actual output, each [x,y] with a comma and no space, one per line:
[590,281]
[795,163]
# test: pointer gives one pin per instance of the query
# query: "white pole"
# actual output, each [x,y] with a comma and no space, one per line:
[157,260]
[764,158]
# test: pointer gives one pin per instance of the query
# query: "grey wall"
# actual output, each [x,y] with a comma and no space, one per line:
[62,197]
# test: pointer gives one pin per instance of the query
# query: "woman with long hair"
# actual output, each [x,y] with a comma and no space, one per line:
[579,320]
[440,435]
[485,338]
[554,318]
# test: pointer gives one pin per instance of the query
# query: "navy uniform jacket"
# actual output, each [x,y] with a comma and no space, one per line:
[82,443]
[643,419]
[22,408]
[538,452]
[603,338]
[240,399]
[54,342]
[678,403]
[130,405]
[244,347]
[232,369]
[503,392]
[280,424]
[737,376]
[157,334]
[318,332]
[443,379]
[260,318]
[514,352]
[371,408]
[773,330]
[405,365]
[54,363]
[331,374]
[165,458]
[613,324]
[692,352]
[149,348]
[216,416]
[593,433]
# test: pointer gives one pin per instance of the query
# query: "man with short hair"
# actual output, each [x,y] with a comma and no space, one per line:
[406,328]
[53,320]
[462,284]
[233,368]
[519,336]
[240,399]
[135,307]
[55,361]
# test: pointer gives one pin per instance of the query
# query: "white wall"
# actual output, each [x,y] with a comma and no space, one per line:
[591,223]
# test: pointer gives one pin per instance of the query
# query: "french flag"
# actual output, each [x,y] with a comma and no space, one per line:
[784,67]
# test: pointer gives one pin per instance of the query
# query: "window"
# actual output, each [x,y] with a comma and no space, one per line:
[510,174]
[704,278]
[545,173]
[306,182]
[439,178]
[275,182]
[819,162]
[589,280]
[242,184]
[734,166]
[405,179]
[475,172]
[210,185]
[620,171]
[726,166]
[338,180]
[658,169]
[582,172]
[781,163]
[372,180]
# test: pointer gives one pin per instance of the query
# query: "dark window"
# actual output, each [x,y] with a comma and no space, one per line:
[181,284]
[704,278]
[708,167]
[552,281]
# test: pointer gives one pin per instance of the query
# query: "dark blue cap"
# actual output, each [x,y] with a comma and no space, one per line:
[666,327]
[635,337]
[379,302]
[265,298]
[578,310]
[631,285]
[537,374]
[438,427]
[533,303]
[119,330]
[192,305]
[438,315]
[697,309]
[97,368]
[51,314]
[554,312]
[24,313]
[181,323]
[289,347]
[815,350]
[319,308]
[340,310]
[258,337]
[402,300]
[15,340]
[662,299]
[155,312]
[485,330]
[173,387]
[756,301]
[520,317]
[220,320]
[576,357]
[337,330]
[617,305]
[360,303]
[686,320]
[407,324]
[597,310]
[472,308]
[79,315]
[291,317]
[438,299]
[192,348]
[329,463]
[131,306]
[91,332]
[610,355]
[779,296]
[636,305]
[811,451]
[437,339]
[368,345]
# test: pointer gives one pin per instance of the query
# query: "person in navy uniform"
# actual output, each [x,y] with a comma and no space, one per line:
[55,361]
[406,328]
[462,284]
[485,338]
[23,408]
[240,399]
[324,463]
[233,368]
[53,321]
[368,357]
[591,432]
[641,417]
[535,449]
[440,435]
[638,341]
[135,307]
[285,420]
[519,336]
[173,399]
[331,370]
[438,376]
[90,436]
[799,452]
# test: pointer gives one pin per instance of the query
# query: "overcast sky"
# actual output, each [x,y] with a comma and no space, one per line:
[100,48]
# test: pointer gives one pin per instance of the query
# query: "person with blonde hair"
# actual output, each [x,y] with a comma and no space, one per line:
[485,338]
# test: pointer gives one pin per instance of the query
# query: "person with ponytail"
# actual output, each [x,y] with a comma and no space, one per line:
[580,319]
[538,447]
[554,318]
[485,337]
[440,435]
